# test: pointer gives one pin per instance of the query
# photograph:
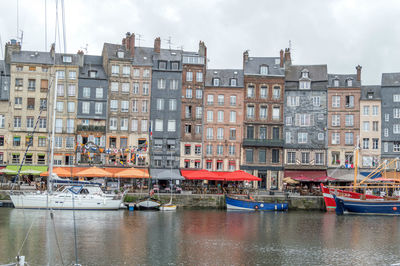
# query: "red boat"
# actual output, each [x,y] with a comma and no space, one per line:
[330,201]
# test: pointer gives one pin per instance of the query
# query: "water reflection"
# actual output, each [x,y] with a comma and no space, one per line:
[201,237]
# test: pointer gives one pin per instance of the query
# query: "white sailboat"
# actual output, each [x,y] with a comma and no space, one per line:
[169,206]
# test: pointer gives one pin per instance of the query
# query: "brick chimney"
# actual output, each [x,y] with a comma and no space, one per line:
[245,57]
[288,59]
[11,46]
[80,58]
[157,45]
[281,58]
[358,72]
[203,51]
[132,44]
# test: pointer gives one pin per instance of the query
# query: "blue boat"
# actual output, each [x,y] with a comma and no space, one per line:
[251,205]
[372,207]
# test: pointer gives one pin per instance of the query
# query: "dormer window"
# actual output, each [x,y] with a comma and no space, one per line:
[305,85]
[264,70]
[233,82]
[304,74]
[174,65]
[215,81]
[349,82]
[92,73]
[67,59]
[162,64]
[370,95]
[120,54]
[336,83]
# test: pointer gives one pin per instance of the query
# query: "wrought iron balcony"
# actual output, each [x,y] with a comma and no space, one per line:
[91,128]
[263,142]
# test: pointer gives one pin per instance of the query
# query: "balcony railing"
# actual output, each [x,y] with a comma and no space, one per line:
[91,128]
[263,142]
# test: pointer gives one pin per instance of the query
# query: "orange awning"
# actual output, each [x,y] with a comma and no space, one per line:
[93,172]
[62,172]
[131,173]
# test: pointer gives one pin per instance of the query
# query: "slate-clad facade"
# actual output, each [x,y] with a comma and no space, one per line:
[4,118]
[91,110]
[165,107]
[305,117]
[264,81]
[390,96]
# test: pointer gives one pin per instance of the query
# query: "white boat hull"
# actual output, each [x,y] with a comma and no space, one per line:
[168,207]
[148,205]
[65,201]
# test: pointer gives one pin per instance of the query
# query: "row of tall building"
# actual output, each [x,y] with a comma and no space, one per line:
[164,109]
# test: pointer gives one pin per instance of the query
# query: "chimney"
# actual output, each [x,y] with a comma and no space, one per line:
[157,45]
[80,58]
[281,57]
[11,46]
[202,49]
[288,59]
[245,57]
[131,44]
[125,41]
[53,50]
[358,72]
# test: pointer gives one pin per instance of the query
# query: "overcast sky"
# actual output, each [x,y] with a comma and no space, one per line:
[341,34]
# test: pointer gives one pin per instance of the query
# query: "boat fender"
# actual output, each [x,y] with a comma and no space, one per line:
[395,208]
[256,207]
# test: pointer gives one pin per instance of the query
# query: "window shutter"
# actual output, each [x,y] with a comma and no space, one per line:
[102,141]
[79,139]
[297,120]
[91,138]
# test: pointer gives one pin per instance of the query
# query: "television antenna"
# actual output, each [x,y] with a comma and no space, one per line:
[139,37]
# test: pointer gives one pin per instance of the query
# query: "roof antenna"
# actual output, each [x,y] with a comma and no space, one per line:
[139,38]
[85,48]
[169,42]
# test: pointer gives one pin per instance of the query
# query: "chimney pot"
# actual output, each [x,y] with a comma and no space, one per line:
[281,58]
[358,72]
[245,57]
[157,45]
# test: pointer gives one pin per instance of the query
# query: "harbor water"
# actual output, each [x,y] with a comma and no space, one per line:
[199,237]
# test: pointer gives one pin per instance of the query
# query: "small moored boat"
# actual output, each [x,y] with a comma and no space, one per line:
[251,205]
[373,207]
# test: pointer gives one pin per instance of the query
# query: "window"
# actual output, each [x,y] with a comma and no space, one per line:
[396,146]
[348,140]
[42,141]
[396,112]
[250,91]
[386,132]
[262,156]
[67,59]
[250,111]
[145,88]
[210,99]
[220,165]
[44,85]
[336,83]
[115,70]
[396,128]
[2,121]
[17,141]
[233,100]
[336,101]
[263,112]
[263,92]
[189,76]
[114,86]
[209,149]
[250,132]
[188,93]
[71,90]
[123,142]
[86,92]
[15,158]
[349,82]
[275,156]
[350,101]
[18,100]
[375,144]
[305,157]
[159,125]
[387,117]
[276,113]
[220,150]
[276,93]
[396,97]
[320,136]
[289,121]
[42,123]
[375,110]
[72,74]
[291,157]
[293,100]
[220,116]
[366,126]
[29,122]
[305,85]
[365,143]
[232,117]
[220,99]
[199,94]
[145,106]
[31,103]
[220,133]
[199,112]
[386,147]
[98,108]
[303,120]
[31,84]
[197,129]
[146,73]
[319,158]
[60,74]
[113,123]
[232,133]
[232,150]
[264,70]
[210,116]
[134,125]
[136,72]
[302,137]
[304,73]
[316,101]
[43,104]
[70,125]
[215,81]
[335,138]
[375,126]
[126,70]
[125,87]
[59,125]
[92,73]
[349,122]
[161,84]
[17,122]
[233,82]
[187,149]
[288,137]
[160,104]
[114,105]
[210,133]
[249,156]
[124,123]
[209,165]
[58,142]
[124,106]
[199,77]
[60,90]
[162,64]
[60,107]
[69,142]
[135,107]
[171,125]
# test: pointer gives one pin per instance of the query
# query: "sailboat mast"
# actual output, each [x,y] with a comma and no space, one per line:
[49,186]
[356,163]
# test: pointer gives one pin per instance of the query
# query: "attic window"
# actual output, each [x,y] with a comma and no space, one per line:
[67,59]
[370,95]
[120,54]
[92,73]
[174,65]
[216,81]
[162,64]
[349,82]
[264,70]
[277,61]
[336,83]
[233,82]
[304,73]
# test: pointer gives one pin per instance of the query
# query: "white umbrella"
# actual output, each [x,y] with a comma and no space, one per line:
[30,171]
[7,171]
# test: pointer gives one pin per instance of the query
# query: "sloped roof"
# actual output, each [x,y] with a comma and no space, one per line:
[374,90]
[92,62]
[252,66]
[343,80]
[390,79]
[316,72]
[32,57]
[225,76]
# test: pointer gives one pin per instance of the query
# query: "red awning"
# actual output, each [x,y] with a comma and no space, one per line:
[240,175]
[200,175]
[308,176]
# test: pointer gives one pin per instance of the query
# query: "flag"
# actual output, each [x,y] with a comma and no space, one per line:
[150,131]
